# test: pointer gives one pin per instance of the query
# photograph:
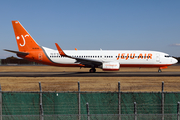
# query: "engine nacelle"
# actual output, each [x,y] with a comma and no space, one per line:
[111,66]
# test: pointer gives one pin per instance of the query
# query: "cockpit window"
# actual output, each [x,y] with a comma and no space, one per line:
[167,56]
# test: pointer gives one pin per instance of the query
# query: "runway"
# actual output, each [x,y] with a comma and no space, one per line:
[87,74]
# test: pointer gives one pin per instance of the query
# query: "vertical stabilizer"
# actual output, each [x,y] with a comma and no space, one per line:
[24,40]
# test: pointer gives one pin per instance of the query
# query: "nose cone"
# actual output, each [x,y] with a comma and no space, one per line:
[174,61]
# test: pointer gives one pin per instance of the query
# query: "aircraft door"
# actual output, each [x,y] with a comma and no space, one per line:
[40,56]
[157,57]
[104,57]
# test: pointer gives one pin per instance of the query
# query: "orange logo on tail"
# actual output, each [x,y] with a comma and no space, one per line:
[23,37]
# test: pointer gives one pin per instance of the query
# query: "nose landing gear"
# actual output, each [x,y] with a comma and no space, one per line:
[159,71]
[164,67]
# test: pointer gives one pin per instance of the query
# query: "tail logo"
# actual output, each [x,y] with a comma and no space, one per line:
[23,37]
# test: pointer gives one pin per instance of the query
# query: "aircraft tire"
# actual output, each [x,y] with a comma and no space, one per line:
[159,71]
[92,70]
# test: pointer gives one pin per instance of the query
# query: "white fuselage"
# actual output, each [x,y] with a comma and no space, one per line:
[126,58]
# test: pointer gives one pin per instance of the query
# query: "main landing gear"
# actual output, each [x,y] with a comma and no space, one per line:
[92,70]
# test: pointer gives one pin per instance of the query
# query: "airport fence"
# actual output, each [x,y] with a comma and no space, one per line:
[81,105]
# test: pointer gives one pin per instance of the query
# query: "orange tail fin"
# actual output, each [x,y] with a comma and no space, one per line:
[24,40]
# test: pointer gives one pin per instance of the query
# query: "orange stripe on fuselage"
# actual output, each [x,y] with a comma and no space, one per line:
[37,56]
[40,57]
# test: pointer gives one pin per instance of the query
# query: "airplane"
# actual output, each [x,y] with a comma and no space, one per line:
[107,60]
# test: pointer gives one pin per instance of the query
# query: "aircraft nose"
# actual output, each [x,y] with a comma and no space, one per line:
[174,61]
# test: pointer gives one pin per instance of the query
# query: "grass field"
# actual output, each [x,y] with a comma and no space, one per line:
[87,83]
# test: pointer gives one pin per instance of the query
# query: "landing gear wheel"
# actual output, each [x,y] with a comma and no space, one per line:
[159,71]
[92,70]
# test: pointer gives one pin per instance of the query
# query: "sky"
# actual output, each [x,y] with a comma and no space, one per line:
[94,24]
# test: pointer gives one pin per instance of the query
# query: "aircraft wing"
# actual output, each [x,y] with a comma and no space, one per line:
[83,61]
[87,61]
[17,52]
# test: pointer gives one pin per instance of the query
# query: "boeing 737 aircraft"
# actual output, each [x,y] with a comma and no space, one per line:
[107,60]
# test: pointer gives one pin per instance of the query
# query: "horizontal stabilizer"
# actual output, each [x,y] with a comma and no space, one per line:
[17,52]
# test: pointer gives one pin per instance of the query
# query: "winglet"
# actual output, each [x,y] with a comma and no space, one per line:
[61,52]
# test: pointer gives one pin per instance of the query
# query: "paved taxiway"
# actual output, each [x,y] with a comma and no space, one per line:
[87,74]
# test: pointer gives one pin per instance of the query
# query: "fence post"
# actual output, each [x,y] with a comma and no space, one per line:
[135,111]
[119,92]
[162,104]
[178,110]
[0,103]
[79,102]
[40,102]
[88,115]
